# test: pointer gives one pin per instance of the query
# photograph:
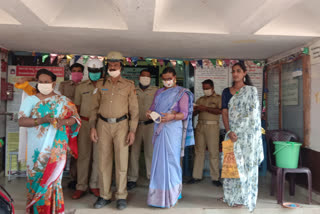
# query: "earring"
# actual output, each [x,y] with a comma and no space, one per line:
[244,79]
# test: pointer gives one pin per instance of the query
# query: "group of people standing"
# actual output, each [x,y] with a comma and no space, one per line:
[115,115]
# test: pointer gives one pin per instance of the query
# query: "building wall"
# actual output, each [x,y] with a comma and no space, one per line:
[311,155]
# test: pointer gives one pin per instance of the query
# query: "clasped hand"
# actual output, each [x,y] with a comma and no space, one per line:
[49,118]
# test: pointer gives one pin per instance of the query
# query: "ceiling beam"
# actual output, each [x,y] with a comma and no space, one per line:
[21,13]
[256,18]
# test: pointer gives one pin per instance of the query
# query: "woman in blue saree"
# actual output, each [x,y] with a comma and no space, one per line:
[241,118]
[171,135]
[53,124]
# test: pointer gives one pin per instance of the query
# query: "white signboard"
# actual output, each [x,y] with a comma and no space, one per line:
[315,53]
[218,75]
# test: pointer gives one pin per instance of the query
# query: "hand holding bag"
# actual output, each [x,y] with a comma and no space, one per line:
[229,165]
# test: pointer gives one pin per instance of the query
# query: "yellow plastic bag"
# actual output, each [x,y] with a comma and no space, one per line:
[229,165]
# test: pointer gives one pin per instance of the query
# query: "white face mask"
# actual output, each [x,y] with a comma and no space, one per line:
[114,73]
[145,81]
[45,88]
[208,92]
[168,83]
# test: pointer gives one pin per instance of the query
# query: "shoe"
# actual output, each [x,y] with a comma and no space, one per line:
[121,204]
[131,185]
[101,203]
[72,185]
[193,181]
[96,192]
[78,194]
[217,183]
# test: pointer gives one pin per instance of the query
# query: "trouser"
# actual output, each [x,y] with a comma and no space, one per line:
[143,135]
[73,168]
[112,146]
[87,163]
[207,136]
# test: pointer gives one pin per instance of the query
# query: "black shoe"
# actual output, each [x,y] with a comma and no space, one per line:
[193,181]
[217,183]
[72,185]
[101,203]
[131,185]
[121,204]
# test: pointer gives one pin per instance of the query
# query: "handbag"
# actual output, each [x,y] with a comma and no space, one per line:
[229,165]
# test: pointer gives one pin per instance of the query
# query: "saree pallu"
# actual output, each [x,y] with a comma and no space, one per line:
[245,121]
[47,152]
[169,140]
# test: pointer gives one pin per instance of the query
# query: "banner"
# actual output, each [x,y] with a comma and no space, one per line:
[30,71]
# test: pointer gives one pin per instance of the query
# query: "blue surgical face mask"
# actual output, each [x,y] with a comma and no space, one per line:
[94,76]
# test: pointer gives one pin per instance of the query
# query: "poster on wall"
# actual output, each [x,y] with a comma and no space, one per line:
[315,53]
[13,106]
[219,76]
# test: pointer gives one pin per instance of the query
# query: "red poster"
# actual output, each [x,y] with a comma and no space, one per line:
[30,71]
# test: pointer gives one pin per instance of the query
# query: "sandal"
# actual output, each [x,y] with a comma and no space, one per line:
[220,199]
[237,205]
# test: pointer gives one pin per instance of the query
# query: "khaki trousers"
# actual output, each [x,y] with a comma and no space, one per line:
[143,136]
[112,146]
[73,169]
[87,162]
[207,136]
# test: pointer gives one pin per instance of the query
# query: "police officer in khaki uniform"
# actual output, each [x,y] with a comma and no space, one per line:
[113,121]
[68,87]
[207,133]
[87,162]
[144,133]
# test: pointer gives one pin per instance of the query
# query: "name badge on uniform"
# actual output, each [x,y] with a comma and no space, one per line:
[95,90]
[86,92]
[104,89]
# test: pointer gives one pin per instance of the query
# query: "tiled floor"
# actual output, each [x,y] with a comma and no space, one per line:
[197,198]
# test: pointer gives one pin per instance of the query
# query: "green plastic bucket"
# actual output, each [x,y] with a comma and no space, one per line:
[287,154]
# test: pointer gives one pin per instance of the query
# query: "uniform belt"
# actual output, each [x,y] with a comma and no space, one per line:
[84,118]
[145,122]
[208,122]
[113,120]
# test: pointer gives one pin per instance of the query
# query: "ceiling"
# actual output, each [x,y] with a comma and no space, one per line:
[252,29]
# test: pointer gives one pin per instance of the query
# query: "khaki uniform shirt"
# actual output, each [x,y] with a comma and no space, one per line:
[83,96]
[213,101]
[68,89]
[114,101]
[145,99]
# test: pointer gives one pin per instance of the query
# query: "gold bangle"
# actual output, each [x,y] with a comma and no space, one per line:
[36,122]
